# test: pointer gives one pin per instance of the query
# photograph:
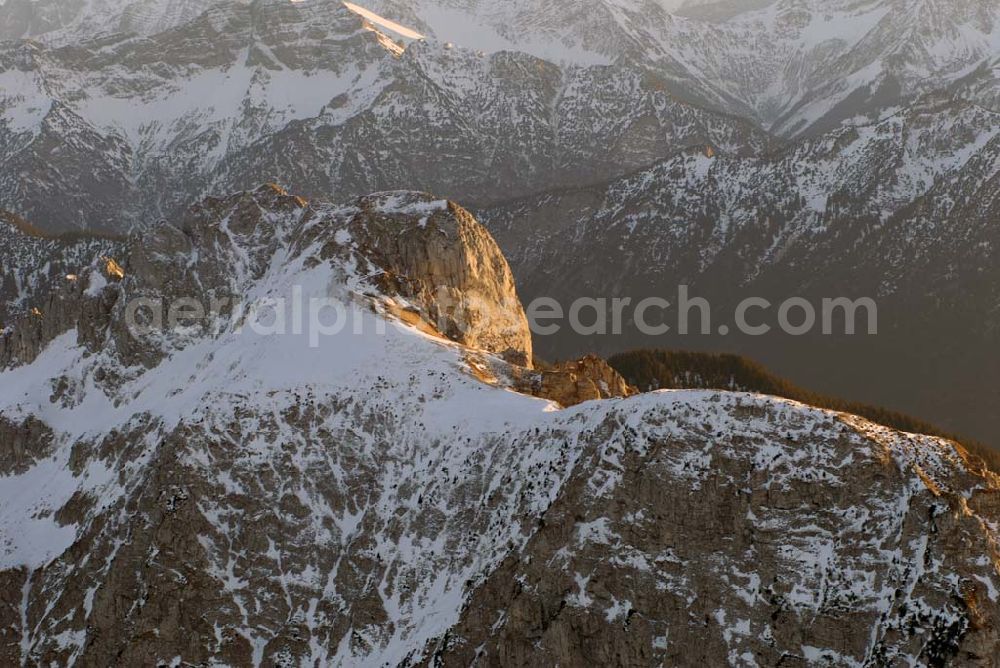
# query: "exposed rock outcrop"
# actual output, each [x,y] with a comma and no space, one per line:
[434,253]
[49,285]
[570,383]
[22,444]
[431,253]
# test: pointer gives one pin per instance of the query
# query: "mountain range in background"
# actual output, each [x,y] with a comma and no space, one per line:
[173,102]
[904,210]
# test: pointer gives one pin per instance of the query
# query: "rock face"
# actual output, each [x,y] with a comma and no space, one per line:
[22,445]
[35,265]
[570,383]
[443,266]
[49,285]
[230,495]
[435,254]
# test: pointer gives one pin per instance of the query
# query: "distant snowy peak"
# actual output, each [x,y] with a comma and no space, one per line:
[65,22]
[71,21]
[301,93]
[560,32]
[792,65]
[520,93]
[803,66]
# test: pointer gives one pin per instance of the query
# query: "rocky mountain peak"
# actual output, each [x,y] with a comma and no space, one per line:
[434,253]
[423,257]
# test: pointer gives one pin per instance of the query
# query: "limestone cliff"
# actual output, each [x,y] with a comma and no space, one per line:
[434,253]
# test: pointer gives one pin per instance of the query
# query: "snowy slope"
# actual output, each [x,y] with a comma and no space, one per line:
[693,214]
[370,500]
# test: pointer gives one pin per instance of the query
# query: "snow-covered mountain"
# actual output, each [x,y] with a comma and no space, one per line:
[124,130]
[72,21]
[408,490]
[211,494]
[525,96]
[932,166]
[794,66]
[807,66]
[902,210]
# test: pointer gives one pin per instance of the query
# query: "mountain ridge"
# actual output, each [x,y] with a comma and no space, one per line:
[900,211]
[276,502]
[223,112]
